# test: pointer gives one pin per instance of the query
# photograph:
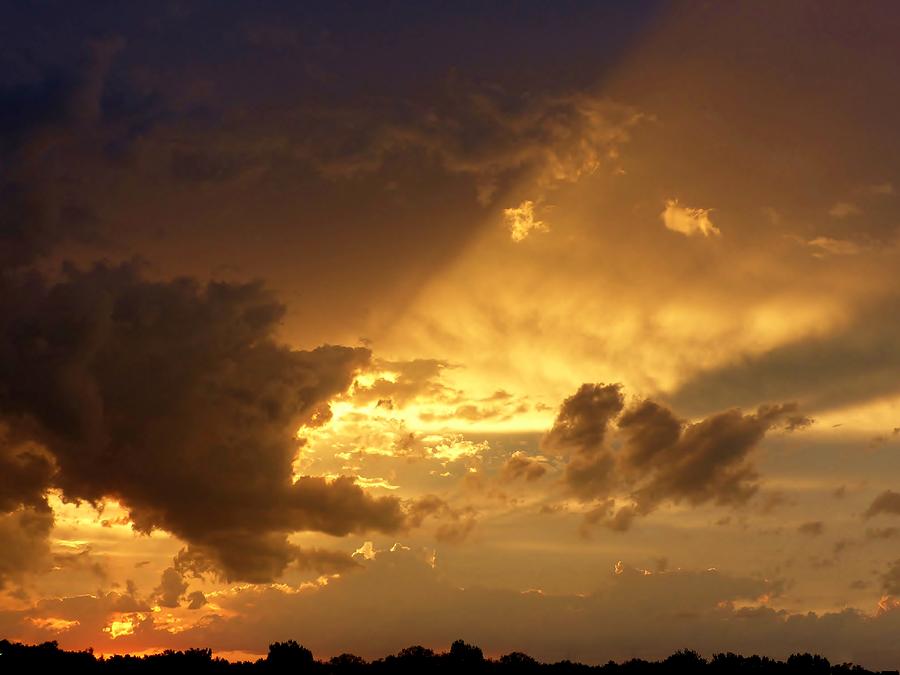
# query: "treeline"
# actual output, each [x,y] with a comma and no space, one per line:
[291,657]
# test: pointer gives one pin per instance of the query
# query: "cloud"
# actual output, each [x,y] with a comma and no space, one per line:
[890,580]
[172,587]
[843,210]
[708,461]
[582,420]
[829,246]
[455,524]
[519,465]
[798,422]
[398,383]
[661,458]
[882,532]
[26,471]
[521,221]
[579,430]
[813,528]
[196,600]
[485,132]
[856,362]
[884,189]
[688,221]
[57,116]
[888,502]
[174,398]
[25,549]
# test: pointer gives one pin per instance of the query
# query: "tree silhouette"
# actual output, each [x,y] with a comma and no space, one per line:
[462,658]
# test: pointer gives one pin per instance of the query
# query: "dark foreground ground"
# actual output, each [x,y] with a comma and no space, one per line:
[290,657]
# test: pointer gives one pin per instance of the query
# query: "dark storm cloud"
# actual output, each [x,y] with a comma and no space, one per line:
[888,502]
[660,458]
[174,398]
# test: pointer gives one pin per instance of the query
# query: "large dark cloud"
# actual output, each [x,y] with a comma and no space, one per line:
[174,398]
[658,457]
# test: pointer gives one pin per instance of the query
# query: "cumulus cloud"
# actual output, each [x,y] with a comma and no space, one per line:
[660,458]
[688,221]
[174,398]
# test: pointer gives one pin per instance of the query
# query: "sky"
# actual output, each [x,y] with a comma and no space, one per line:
[569,328]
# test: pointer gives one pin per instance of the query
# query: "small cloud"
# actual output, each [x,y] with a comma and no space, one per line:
[829,246]
[366,551]
[688,221]
[882,532]
[891,579]
[520,465]
[888,502]
[798,422]
[196,600]
[843,210]
[813,528]
[773,216]
[884,188]
[521,221]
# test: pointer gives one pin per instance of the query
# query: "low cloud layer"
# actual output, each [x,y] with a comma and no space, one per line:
[709,611]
